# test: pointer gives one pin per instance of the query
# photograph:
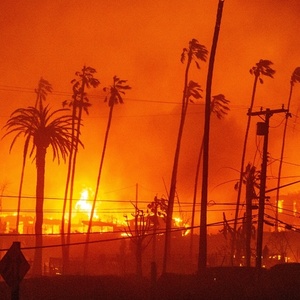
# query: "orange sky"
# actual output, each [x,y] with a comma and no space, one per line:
[142,41]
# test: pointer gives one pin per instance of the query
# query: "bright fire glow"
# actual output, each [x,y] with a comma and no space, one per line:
[280,206]
[84,205]
[180,223]
[295,208]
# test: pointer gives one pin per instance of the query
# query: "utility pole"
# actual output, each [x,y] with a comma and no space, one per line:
[263,130]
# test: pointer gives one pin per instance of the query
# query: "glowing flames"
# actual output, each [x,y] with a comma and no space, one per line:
[180,223]
[83,206]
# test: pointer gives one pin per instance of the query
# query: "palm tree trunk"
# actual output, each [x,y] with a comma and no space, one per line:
[86,248]
[65,249]
[167,250]
[248,225]
[21,184]
[195,198]
[281,156]
[37,268]
[38,98]
[75,159]
[202,259]
[38,255]
[242,169]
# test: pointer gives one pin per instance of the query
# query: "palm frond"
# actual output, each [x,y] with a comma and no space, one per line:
[115,90]
[263,67]
[183,54]
[194,52]
[219,105]
[193,90]
[44,128]
[296,76]
[85,78]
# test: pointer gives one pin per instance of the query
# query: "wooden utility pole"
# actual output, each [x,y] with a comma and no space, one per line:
[263,130]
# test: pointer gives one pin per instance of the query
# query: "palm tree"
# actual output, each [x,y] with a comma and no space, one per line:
[262,68]
[44,87]
[202,255]
[79,103]
[294,78]
[114,96]
[194,52]
[42,91]
[42,128]
[219,106]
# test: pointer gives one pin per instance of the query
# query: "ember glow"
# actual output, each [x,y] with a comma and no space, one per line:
[178,222]
[54,45]
[83,206]
[82,203]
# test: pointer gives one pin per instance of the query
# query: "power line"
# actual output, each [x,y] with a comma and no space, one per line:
[159,232]
[219,223]
[9,88]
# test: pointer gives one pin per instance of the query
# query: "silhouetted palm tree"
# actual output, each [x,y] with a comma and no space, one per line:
[114,96]
[44,87]
[79,103]
[262,68]
[42,91]
[219,107]
[294,78]
[202,255]
[42,128]
[194,52]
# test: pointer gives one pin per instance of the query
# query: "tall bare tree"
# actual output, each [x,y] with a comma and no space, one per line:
[194,52]
[139,233]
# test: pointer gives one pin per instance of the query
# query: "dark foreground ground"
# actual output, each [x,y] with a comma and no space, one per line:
[280,282]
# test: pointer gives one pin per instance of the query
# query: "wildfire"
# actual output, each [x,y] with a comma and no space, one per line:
[83,206]
[180,223]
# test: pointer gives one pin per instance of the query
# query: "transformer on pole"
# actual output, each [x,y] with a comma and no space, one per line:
[263,130]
